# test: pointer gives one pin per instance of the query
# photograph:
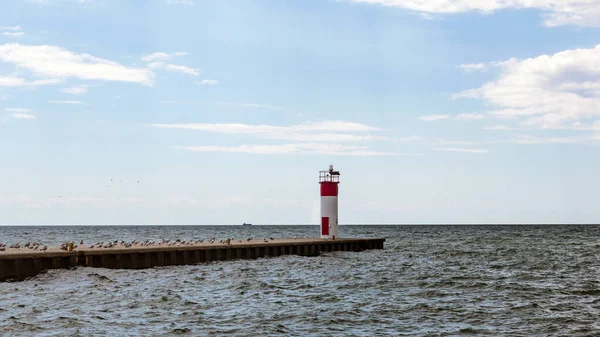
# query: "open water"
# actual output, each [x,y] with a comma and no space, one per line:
[429,281]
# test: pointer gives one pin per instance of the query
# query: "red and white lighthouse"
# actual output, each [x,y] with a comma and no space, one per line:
[329,181]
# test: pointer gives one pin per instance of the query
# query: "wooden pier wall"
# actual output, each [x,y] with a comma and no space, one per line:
[23,264]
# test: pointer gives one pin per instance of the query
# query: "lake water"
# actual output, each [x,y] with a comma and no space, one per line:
[428,281]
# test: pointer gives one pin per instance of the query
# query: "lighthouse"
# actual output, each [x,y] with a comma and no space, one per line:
[329,181]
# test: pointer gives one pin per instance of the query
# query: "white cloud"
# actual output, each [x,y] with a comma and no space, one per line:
[464,150]
[22,116]
[432,118]
[6,97]
[66,102]
[13,34]
[456,142]
[528,139]
[470,93]
[174,67]
[180,2]
[209,82]
[59,2]
[255,105]
[594,126]
[535,140]
[75,201]
[472,67]
[56,62]
[548,91]
[157,56]
[273,130]
[334,137]
[17,110]
[14,199]
[328,134]
[156,61]
[469,116]
[181,101]
[405,139]
[335,125]
[555,12]
[300,148]
[162,56]
[13,31]
[13,81]
[460,117]
[498,127]
[74,90]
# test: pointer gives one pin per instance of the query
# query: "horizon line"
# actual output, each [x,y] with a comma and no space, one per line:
[349,224]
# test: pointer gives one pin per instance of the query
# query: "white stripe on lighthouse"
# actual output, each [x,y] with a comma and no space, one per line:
[329,209]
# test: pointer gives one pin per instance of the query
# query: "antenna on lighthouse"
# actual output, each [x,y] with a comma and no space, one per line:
[332,172]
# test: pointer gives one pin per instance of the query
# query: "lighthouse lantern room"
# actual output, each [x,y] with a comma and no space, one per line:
[329,181]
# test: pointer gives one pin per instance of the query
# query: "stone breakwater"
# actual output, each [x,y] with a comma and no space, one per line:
[20,261]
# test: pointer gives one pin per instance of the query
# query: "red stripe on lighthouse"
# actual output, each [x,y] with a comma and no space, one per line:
[329,189]
[324,226]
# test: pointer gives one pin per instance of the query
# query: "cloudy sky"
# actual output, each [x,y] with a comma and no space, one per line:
[223,112]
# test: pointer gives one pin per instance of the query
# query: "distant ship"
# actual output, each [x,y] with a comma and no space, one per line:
[246,224]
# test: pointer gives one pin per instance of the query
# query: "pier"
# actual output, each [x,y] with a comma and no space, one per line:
[18,264]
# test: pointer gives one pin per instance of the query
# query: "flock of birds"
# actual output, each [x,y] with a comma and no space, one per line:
[112,180]
[129,244]
[166,242]
[28,245]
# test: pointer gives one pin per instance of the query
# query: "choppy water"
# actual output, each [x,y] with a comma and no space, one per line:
[429,281]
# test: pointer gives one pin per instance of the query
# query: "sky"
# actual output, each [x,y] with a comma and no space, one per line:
[222,112]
